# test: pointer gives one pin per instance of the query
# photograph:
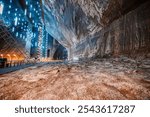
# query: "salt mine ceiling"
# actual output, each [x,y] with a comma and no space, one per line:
[71,21]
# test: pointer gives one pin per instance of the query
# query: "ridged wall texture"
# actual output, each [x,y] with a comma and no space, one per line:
[129,35]
[90,28]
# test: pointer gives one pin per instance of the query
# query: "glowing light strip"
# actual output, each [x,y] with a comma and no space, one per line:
[25,12]
[1,8]
[16,21]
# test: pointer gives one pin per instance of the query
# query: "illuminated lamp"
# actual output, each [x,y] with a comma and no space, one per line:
[26,2]
[20,35]
[34,35]
[30,15]
[17,34]
[75,58]
[9,56]
[25,12]
[13,29]
[15,56]
[16,21]
[2,55]
[1,8]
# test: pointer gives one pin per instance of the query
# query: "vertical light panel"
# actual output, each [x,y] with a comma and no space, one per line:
[30,15]
[25,12]
[1,8]
[16,21]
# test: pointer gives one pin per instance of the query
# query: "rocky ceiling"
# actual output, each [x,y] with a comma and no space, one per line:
[71,21]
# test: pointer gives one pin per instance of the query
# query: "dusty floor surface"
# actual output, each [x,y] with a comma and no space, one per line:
[116,78]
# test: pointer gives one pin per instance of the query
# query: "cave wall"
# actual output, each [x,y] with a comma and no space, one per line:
[71,21]
[129,35]
[90,28]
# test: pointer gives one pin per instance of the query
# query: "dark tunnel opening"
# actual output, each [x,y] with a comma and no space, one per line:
[61,53]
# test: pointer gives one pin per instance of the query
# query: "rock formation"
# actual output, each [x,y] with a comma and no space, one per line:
[90,28]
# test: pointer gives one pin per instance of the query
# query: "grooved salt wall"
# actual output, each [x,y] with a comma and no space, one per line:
[129,35]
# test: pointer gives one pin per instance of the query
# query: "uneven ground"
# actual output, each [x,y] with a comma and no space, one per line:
[115,78]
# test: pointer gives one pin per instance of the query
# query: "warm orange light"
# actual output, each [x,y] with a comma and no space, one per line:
[2,55]
[9,56]
[16,56]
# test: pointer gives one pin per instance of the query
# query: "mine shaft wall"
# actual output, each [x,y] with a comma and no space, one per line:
[129,35]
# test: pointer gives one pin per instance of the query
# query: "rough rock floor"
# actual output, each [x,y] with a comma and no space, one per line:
[115,78]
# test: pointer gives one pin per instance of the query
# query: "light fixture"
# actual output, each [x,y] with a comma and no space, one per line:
[17,34]
[2,55]
[15,56]
[30,15]
[13,29]
[25,12]
[20,35]
[75,58]
[1,8]
[26,2]
[16,21]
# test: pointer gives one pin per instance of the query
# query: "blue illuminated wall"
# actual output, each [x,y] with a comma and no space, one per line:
[25,21]
[23,18]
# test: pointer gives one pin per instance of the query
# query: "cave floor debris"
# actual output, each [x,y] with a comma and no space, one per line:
[103,79]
